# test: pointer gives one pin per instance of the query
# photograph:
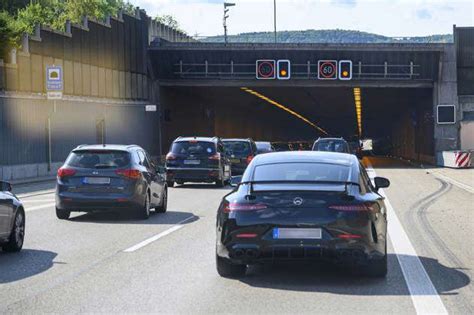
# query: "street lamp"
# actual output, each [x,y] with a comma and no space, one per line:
[226,5]
[275,19]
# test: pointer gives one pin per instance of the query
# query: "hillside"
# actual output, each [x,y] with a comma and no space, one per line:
[326,36]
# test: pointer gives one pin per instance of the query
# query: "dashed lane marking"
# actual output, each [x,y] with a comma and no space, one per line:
[158,236]
[48,205]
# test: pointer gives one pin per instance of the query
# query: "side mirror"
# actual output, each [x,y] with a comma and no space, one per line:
[381,182]
[5,186]
[235,181]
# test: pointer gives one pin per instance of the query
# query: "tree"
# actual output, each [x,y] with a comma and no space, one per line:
[169,21]
[5,32]
[12,6]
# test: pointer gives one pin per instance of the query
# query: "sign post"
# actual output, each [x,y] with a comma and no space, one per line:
[54,91]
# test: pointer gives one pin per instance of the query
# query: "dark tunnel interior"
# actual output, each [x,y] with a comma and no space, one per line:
[401,116]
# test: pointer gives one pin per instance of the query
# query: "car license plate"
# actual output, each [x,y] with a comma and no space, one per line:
[192,162]
[96,180]
[235,161]
[279,233]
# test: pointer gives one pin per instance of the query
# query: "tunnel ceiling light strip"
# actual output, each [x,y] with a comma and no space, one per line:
[358,106]
[286,109]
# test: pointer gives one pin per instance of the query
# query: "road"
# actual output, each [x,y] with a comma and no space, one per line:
[116,264]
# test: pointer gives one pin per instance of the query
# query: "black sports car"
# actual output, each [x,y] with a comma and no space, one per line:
[303,206]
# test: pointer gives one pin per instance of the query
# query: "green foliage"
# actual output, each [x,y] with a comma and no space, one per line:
[326,36]
[169,21]
[21,16]
[12,6]
[6,30]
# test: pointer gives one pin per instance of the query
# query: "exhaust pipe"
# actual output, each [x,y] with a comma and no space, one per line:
[238,253]
[251,253]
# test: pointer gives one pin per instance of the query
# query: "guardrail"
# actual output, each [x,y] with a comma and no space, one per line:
[307,71]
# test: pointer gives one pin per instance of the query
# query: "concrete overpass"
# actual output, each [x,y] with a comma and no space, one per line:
[401,85]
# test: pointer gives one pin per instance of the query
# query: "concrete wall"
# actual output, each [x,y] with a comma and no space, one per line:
[106,88]
[445,93]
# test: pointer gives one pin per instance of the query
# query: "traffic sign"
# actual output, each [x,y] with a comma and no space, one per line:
[284,69]
[265,69]
[54,78]
[446,114]
[54,95]
[345,70]
[327,69]
[150,108]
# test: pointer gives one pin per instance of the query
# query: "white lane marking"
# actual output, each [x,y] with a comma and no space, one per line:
[152,239]
[423,293]
[454,182]
[37,200]
[29,209]
[38,193]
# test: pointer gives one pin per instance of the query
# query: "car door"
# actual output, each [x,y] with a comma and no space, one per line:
[6,213]
[159,178]
[152,178]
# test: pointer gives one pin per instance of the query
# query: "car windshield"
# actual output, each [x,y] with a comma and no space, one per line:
[302,172]
[193,148]
[237,148]
[331,146]
[98,159]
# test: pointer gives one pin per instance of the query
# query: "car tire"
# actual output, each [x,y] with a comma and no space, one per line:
[164,202]
[376,268]
[227,269]
[62,214]
[17,235]
[221,181]
[144,210]
[170,183]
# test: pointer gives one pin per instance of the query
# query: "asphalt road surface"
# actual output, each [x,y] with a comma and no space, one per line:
[116,264]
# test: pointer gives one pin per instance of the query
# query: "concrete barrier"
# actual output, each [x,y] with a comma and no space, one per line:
[28,171]
[455,159]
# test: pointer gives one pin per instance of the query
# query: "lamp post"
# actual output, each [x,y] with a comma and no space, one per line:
[226,5]
[275,19]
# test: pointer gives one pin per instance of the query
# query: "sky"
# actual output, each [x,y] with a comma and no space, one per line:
[398,18]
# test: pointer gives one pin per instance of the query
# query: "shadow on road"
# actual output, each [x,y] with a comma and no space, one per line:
[25,264]
[327,278]
[120,217]
[201,186]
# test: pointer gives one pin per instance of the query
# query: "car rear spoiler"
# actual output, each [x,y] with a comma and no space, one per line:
[327,182]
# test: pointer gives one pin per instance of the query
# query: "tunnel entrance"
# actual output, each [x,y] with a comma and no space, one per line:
[400,120]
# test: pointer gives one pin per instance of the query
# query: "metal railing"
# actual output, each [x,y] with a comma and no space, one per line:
[306,71]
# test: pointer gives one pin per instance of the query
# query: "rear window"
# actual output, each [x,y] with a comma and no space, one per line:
[237,148]
[193,147]
[98,159]
[331,146]
[302,172]
[264,146]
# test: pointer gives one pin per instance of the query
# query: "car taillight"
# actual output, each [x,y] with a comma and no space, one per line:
[129,173]
[249,159]
[170,156]
[215,157]
[349,236]
[234,206]
[66,172]
[246,235]
[363,207]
